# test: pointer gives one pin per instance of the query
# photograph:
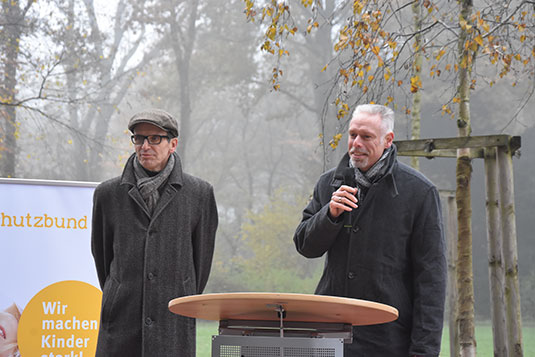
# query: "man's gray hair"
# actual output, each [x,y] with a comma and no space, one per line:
[386,114]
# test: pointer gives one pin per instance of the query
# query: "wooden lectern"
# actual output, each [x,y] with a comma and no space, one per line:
[278,324]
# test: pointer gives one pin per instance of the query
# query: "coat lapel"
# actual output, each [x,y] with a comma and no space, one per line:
[129,179]
[171,188]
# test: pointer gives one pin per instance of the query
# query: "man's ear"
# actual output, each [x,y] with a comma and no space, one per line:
[389,138]
[174,144]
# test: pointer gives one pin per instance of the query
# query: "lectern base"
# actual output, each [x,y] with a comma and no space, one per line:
[254,346]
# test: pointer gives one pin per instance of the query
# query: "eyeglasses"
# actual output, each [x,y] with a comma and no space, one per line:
[151,139]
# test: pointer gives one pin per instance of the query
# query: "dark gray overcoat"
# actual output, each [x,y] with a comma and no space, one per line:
[143,262]
[394,253]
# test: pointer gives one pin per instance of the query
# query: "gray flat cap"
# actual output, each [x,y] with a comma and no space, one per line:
[157,117]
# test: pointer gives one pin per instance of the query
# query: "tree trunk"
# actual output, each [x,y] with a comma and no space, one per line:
[183,49]
[416,71]
[9,46]
[496,269]
[464,261]
[463,197]
[512,291]
[80,162]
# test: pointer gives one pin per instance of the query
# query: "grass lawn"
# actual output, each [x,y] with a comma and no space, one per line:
[484,340]
[206,329]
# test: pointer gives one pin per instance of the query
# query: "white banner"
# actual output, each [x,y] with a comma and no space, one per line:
[45,229]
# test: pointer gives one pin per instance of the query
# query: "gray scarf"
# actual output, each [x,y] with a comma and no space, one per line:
[366,179]
[148,185]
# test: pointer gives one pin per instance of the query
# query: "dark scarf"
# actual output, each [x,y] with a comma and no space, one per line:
[148,185]
[366,179]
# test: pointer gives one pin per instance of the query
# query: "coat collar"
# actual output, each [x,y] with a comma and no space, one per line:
[174,182]
[389,177]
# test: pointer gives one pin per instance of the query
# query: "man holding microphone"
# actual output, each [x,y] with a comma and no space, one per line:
[380,223]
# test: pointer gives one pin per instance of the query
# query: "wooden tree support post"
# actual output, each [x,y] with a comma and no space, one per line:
[496,266]
[507,212]
[451,240]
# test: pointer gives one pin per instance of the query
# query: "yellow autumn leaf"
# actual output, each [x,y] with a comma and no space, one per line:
[416,84]
[387,75]
[464,25]
[380,62]
[271,32]
[69,142]
[357,7]
[334,142]
[479,40]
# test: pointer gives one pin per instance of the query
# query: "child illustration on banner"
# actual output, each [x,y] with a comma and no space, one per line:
[9,323]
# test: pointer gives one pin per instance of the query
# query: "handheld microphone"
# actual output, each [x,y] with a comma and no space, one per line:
[348,180]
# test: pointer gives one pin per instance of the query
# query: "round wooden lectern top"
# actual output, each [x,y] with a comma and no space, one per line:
[297,307]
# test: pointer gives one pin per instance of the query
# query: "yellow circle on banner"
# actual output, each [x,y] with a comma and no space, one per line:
[61,320]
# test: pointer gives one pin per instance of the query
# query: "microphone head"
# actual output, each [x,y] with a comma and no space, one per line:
[349,177]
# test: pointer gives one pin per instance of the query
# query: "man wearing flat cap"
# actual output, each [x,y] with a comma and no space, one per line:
[152,241]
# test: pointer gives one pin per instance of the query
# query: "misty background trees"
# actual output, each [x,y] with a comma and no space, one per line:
[261,128]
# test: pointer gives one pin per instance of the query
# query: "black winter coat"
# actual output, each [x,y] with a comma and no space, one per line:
[394,253]
[143,262]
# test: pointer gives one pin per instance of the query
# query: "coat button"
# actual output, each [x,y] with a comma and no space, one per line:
[350,275]
[150,276]
[356,229]
[148,321]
